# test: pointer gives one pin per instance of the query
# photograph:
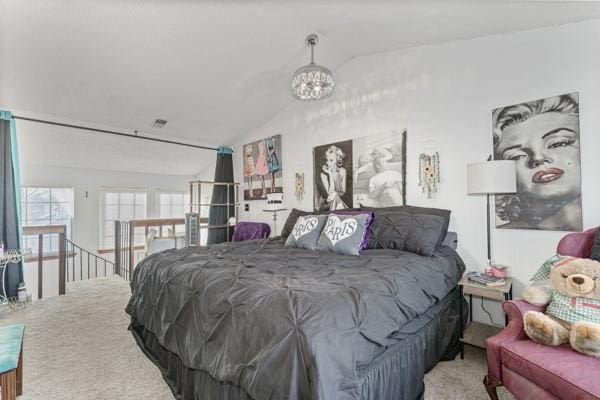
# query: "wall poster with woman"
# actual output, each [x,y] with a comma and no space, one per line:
[333,176]
[542,137]
[380,170]
[262,168]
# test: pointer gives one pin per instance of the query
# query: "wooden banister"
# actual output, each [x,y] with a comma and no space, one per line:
[110,251]
[44,230]
[125,239]
[41,231]
[136,223]
[215,183]
[66,256]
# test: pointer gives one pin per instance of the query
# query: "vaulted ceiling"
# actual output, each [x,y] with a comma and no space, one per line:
[216,69]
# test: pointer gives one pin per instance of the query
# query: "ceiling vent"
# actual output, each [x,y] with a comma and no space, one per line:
[159,123]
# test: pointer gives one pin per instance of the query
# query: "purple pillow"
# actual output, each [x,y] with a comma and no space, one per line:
[365,240]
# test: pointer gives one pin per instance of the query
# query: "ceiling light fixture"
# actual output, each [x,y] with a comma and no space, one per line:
[312,82]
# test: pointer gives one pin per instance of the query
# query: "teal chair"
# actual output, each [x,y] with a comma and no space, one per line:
[11,361]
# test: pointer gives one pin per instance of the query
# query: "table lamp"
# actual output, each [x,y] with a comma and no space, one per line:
[491,177]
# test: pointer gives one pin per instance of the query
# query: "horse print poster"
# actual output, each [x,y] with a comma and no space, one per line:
[542,137]
[262,168]
[380,170]
[333,176]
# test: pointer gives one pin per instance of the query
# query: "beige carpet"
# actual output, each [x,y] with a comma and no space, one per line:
[77,347]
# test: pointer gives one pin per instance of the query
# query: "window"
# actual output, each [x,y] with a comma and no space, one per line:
[120,205]
[46,206]
[174,204]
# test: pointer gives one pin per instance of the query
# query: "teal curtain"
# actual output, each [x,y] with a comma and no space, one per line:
[11,233]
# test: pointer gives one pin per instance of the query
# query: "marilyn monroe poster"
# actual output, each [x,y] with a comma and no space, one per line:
[333,176]
[542,137]
[380,170]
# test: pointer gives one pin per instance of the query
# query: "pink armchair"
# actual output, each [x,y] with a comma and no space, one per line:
[533,371]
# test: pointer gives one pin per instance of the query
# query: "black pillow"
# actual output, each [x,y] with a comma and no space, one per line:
[445,214]
[596,247]
[402,230]
[291,221]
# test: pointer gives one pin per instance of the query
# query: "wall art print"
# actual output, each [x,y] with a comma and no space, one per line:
[380,170]
[333,176]
[542,137]
[368,171]
[262,168]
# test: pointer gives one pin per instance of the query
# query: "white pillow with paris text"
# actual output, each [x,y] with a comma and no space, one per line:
[305,233]
[344,234]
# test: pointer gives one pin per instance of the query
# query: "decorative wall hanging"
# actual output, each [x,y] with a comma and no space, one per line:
[368,171]
[429,173]
[299,185]
[542,137]
[262,168]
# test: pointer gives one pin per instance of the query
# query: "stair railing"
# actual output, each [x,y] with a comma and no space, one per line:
[83,264]
[40,255]
[74,262]
[130,237]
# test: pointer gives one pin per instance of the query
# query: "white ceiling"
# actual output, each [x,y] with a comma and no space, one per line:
[216,69]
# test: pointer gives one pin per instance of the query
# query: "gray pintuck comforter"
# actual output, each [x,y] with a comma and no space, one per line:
[285,323]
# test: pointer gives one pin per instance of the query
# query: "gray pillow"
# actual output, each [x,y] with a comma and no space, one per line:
[306,231]
[596,247]
[295,213]
[402,230]
[344,234]
[445,214]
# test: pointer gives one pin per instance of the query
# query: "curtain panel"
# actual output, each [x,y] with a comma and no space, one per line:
[218,214]
[10,200]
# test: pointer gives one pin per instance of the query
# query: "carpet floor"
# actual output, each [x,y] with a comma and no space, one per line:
[77,346]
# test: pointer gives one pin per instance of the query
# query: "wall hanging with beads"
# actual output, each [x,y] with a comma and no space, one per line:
[429,173]
[299,185]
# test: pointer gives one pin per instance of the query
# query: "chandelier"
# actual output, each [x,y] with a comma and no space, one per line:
[312,82]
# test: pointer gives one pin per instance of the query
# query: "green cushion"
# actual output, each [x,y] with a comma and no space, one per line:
[11,338]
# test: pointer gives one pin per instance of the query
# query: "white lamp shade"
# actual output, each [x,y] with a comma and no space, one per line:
[492,177]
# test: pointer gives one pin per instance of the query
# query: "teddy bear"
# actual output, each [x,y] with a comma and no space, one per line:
[573,305]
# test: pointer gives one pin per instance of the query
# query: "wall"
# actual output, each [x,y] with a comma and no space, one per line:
[443,94]
[86,184]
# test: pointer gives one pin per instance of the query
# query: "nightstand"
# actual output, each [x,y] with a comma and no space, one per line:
[476,333]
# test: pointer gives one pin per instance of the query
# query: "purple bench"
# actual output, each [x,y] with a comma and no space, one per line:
[251,231]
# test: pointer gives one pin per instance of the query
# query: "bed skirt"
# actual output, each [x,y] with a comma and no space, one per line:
[395,374]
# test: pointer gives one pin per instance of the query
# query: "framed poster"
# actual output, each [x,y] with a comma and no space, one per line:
[262,168]
[333,176]
[368,171]
[380,170]
[542,137]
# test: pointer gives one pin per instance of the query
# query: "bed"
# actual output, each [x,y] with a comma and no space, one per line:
[257,320]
